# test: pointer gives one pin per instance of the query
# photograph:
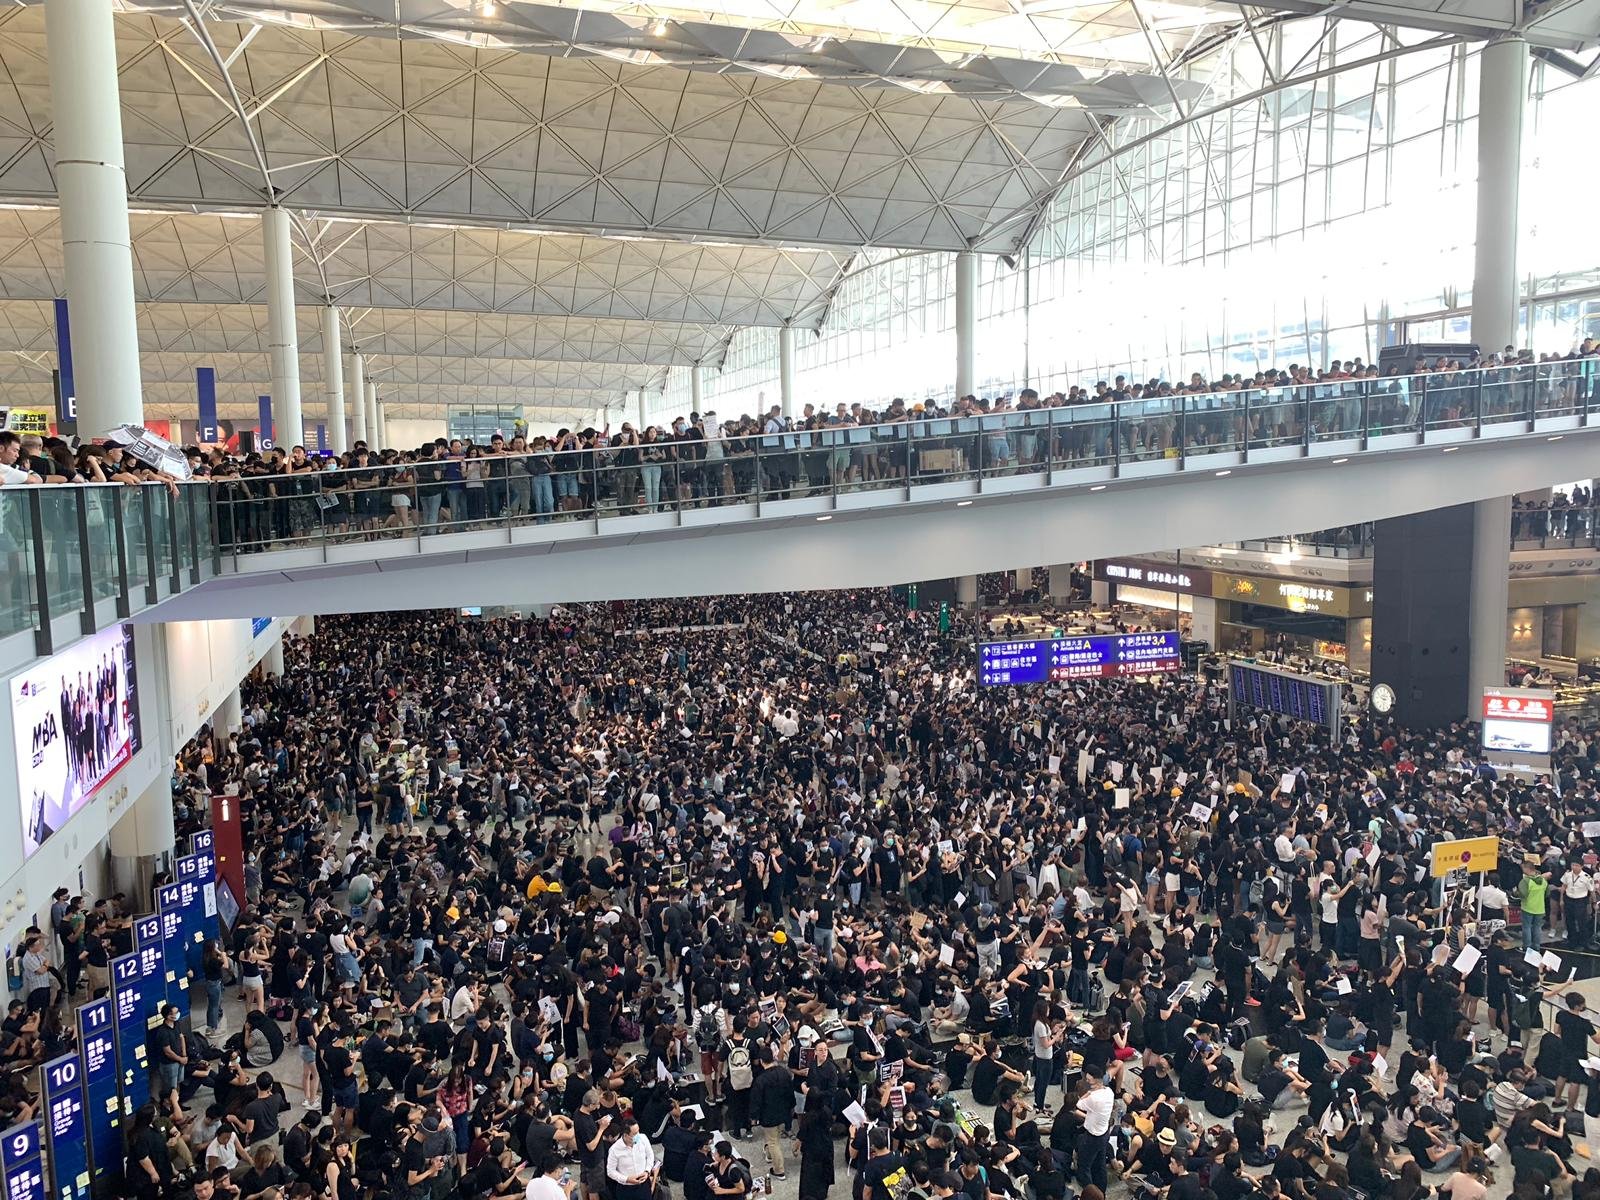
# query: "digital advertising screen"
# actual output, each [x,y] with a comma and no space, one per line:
[64,1126]
[75,719]
[1518,720]
[97,1047]
[1100,656]
[23,1164]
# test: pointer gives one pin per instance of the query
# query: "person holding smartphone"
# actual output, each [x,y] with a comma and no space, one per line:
[631,1164]
[552,1181]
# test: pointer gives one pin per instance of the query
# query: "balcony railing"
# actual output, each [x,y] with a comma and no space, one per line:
[1114,439]
[75,559]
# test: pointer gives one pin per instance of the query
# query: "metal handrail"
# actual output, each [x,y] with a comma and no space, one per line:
[329,506]
[67,551]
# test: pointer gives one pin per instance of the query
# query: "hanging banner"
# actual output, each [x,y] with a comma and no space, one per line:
[66,384]
[205,383]
[26,420]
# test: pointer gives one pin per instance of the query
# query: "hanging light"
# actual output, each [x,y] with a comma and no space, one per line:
[659,28]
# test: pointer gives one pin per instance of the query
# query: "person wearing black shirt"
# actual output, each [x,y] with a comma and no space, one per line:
[588,1132]
[149,1163]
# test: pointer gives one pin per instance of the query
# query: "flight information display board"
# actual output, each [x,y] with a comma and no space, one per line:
[97,1046]
[64,1127]
[23,1163]
[128,985]
[1094,656]
[1304,697]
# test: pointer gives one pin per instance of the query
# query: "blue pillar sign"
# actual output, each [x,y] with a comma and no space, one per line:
[64,1128]
[97,1046]
[127,994]
[23,1164]
[202,841]
[174,947]
[152,965]
[191,903]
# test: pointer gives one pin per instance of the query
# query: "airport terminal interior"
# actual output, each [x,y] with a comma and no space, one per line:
[806,600]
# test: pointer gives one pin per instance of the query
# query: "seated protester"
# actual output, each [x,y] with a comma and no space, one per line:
[1537,1125]
[1510,1096]
[1154,1164]
[1535,1163]
[1250,1127]
[1196,1076]
[1293,1169]
[1344,1031]
[958,1060]
[257,1121]
[1474,1119]
[1228,1180]
[1185,1185]
[1280,1083]
[1012,1125]
[1156,1085]
[1256,1052]
[989,1071]
[1429,1141]
[1366,1164]
[1408,1185]
[1047,1179]
[1223,1090]
[265,1172]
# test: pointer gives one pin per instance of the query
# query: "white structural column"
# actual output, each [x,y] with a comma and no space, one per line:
[966,322]
[1061,581]
[229,714]
[147,826]
[93,188]
[358,400]
[791,407]
[643,419]
[380,418]
[1502,96]
[697,387]
[272,660]
[369,401]
[283,346]
[1491,596]
[967,591]
[1022,579]
[333,379]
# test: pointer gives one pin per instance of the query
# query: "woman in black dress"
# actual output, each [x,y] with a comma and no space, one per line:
[815,1145]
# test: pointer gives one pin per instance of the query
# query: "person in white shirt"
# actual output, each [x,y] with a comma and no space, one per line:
[631,1164]
[10,451]
[1095,1107]
[1577,888]
[1493,899]
[553,1181]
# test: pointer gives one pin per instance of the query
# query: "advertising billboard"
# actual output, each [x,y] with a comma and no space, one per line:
[75,719]
[1518,720]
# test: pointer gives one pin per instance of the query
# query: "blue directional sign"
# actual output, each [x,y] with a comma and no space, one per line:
[1100,656]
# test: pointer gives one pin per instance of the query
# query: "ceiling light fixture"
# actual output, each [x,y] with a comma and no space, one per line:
[1099,487]
[827,517]
[1339,462]
[488,8]
[659,28]
[1220,474]
[962,503]
[1451,449]
[1556,438]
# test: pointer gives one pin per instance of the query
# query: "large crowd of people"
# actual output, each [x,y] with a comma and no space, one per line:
[712,894]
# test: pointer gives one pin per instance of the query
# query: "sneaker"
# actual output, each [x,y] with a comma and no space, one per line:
[776,1175]
[1252,1002]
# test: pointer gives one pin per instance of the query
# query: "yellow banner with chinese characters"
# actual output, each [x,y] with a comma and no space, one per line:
[26,420]
[1469,854]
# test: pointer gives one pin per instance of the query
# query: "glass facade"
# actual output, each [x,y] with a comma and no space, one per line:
[1319,221]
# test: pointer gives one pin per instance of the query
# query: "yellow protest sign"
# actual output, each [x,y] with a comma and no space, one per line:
[1468,854]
